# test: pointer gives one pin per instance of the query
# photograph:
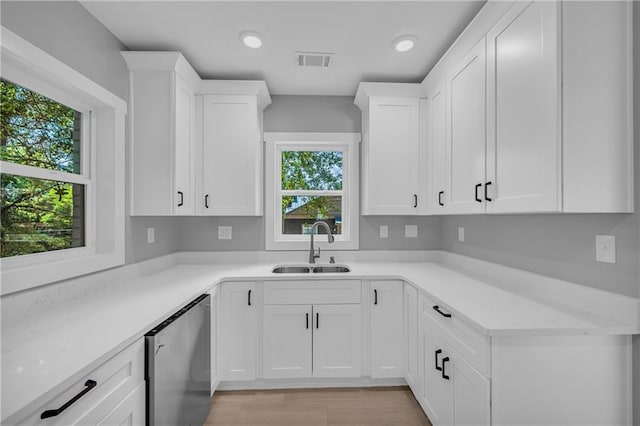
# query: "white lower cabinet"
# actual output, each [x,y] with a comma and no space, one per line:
[238,326]
[287,341]
[387,337]
[411,337]
[337,341]
[113,393]
[215,376]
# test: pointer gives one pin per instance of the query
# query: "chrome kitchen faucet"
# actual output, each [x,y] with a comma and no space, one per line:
[312,253]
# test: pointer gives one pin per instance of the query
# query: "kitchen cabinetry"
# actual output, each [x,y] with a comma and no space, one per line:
[238,323]
[162,113]
[312,329]
[411,336]
[465,149]
[231,148]
[112,393]
[555,140]
[436,148]
[215,308]
[393,148]
[387,336]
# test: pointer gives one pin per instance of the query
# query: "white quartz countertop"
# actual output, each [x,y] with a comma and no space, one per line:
[60,345]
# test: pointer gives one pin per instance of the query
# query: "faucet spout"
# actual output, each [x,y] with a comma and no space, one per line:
[312,253]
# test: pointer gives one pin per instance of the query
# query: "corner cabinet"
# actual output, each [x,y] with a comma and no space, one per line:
[231,149]
[546,125]
[162,88]
[393,148]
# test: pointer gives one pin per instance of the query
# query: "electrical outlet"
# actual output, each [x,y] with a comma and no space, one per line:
[224,232]
[411,231]
[606,248]
[151,235]
[461,234]
[384,231]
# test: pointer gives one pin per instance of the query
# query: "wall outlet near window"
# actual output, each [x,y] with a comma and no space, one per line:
[384,231]
[224,232]
[461,234]
[606,248]
[411,231]
[151,235]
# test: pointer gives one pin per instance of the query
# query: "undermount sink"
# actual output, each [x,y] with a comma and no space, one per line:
[331,268]
[304,269]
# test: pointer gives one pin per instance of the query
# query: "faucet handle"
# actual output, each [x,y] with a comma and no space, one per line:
[332,259]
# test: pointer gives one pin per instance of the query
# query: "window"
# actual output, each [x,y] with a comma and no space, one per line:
[311,177]
[62,159]
[41,137]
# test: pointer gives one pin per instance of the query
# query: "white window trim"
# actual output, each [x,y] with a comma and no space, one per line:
[26,64]
[275,144]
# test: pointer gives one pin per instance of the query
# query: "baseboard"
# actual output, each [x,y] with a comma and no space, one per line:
[358,382]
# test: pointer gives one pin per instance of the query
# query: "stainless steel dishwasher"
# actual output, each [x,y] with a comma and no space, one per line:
[178,367]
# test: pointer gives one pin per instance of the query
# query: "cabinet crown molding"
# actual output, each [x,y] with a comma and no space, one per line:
[402,90]
[162,61]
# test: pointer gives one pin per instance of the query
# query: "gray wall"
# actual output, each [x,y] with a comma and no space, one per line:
[308,114]
[67,31]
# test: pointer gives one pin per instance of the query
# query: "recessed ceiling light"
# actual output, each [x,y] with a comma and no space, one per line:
[404,43]
[251,39]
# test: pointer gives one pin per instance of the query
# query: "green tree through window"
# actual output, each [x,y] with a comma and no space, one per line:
[39,215]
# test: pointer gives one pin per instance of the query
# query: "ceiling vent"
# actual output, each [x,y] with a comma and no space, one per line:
[314,59]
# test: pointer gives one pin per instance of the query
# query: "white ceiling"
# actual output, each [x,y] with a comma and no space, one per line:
[359,33]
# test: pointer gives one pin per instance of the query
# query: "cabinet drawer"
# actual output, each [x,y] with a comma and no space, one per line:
[311,292]
[461,336]
[116,380]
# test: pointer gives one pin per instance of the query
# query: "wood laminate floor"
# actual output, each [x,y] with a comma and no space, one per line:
[384,406]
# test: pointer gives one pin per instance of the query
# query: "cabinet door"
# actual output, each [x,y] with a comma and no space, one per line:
[231,156]
[286,341]
[184,190]
[466,134]
[337,341]
[392,156]
[387,343]
[471,392]
[238,323]
[411,336]
[130,412]
[437,148]
[436,395]
[523,149]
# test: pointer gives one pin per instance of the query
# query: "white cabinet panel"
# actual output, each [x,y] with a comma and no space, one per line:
[231,156]
[437,149]
[286,337]
[238,322]
[411,336]
[337,341]
[184,178]
[471,393]
[387,337]
[130,412]
[523,150]
[466,134]
[215,309]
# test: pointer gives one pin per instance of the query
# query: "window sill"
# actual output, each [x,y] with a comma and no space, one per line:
[318,242]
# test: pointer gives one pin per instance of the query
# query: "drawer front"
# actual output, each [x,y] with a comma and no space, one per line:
[116,379]
[312,292]
[461,336]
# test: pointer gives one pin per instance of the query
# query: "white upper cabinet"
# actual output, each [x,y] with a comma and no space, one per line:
[162,90]
[549,127]
[523,148]
[231,148]
[465,147]
[393,148]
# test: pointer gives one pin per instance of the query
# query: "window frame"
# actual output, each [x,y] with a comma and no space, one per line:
[103,133]
[278,142]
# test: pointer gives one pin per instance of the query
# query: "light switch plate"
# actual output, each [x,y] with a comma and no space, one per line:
[606,248]
[151,235]
[224,232]
[411,231]
[384,231]
[461,234]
